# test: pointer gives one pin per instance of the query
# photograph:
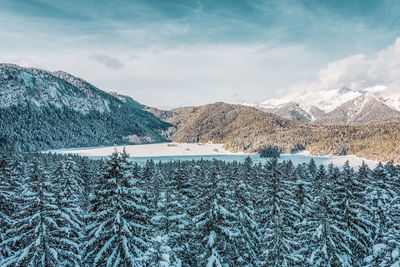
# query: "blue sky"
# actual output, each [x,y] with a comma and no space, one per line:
[177,53]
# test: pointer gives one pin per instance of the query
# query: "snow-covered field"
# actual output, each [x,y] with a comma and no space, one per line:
[305,156]
[153,150]
[185,151]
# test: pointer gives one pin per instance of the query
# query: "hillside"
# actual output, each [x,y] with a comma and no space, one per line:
[243,128]
[41,110]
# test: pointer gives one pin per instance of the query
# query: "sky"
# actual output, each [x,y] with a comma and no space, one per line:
[181,52]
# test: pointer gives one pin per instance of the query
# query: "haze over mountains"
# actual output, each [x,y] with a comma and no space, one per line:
[342,106]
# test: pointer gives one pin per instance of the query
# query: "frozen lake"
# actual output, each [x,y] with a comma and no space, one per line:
[182,151]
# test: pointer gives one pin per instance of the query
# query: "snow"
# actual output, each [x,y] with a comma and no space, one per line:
[185,151]
[358,105]
[43,88]
[328,100]
[378,248]
[153,150]
[395,253]
[336,160]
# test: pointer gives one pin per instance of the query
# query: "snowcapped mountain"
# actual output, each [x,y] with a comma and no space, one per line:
[362,109]
[41,109]
[42,88]
[292,110]
[337,106]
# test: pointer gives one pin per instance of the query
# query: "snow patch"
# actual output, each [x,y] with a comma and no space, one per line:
[153,150]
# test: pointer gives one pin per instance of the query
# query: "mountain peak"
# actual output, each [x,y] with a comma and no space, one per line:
[22,86]
[317,105]
[56,107]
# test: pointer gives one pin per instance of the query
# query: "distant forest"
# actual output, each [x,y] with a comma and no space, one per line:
[61,210]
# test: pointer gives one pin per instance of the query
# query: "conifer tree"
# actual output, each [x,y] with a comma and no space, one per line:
[216,229]
[11,177]
[351,215]
[37,238]
[248,242]
[278,217]
[68,198]
[326,246]
[117,234]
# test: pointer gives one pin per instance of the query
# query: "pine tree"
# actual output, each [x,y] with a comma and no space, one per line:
[278,218]
[35,234]
[304,209]
[379,194]
[68,194]
[216,229]
[159,253]
[117,235]
[327,242]
[11,176]
[180,224]
[351,215]
[248,242]
[386,207]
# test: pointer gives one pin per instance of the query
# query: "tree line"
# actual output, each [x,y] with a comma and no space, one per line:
[61,210]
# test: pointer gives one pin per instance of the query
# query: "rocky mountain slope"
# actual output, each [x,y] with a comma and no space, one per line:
[243,128]
[361,110]
[41,110]
[342,106]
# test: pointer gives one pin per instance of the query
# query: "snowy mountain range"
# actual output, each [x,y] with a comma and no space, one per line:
[41,109]
[339,106]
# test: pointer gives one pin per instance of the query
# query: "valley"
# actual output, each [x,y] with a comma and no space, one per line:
[43,110]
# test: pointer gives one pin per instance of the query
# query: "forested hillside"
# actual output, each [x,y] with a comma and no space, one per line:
[71,211]
[243,128]
[40,110]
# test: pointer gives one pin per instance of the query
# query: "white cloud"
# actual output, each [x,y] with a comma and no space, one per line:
[109,62]
[357,72]
[183,75]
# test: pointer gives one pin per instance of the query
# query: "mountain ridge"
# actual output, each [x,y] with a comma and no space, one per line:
[337,106]
[42,110]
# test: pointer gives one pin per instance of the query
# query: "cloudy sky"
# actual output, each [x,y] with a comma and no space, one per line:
[182,52]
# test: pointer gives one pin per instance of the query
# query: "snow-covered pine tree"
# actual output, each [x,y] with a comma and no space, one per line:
[312,168]
[118,232]
[159,253]
[248,242]
[148,170]
[327,245]
[304,207]
[386,251]
[35,234]
[216,225]
[278,217]
[12,171]
[68,194]
[351,216]
[379,195]
[392,236]
[179,194]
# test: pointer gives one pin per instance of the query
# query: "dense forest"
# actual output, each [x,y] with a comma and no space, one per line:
[30,128]
[61,210]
